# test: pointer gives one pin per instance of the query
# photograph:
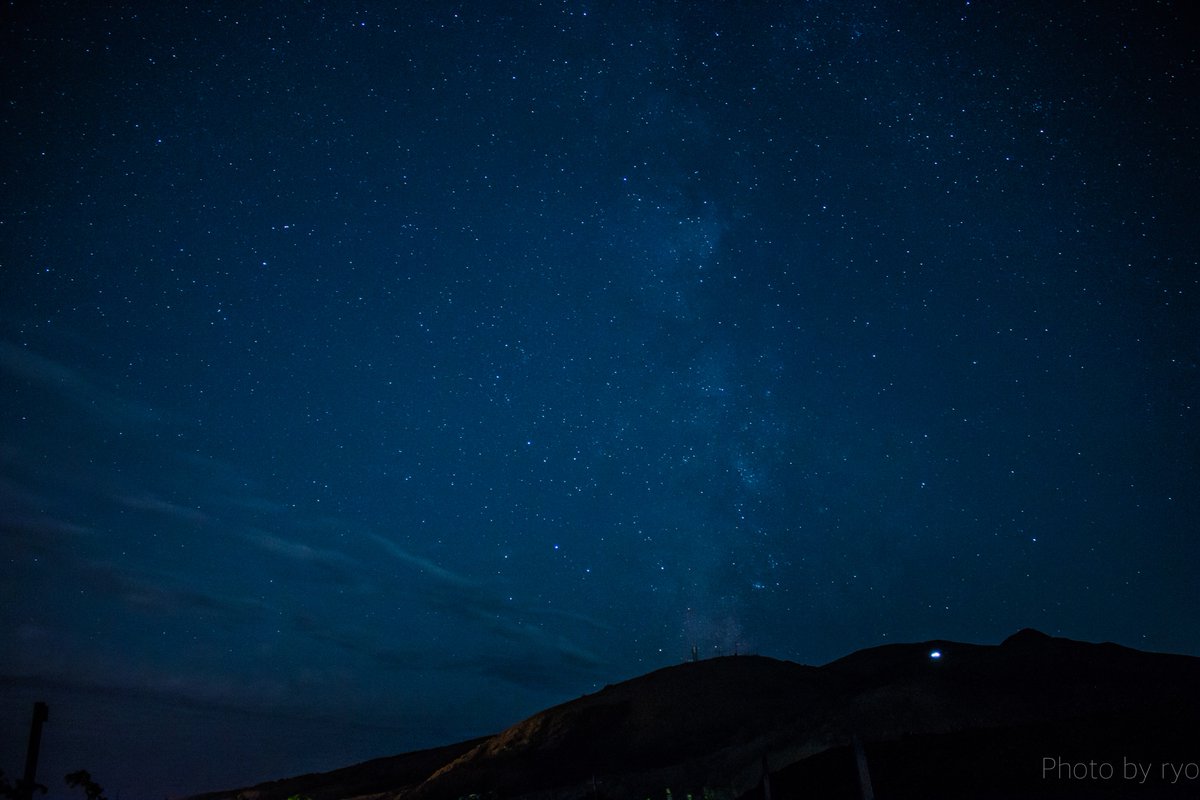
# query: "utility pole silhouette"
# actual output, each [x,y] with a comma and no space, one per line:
[864,774]
[41,713]
[688,631]
[766,778]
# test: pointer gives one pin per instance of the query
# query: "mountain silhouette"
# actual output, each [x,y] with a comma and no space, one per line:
[1035,716]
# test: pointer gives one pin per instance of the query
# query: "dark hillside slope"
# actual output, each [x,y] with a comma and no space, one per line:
[975,722]
[389,774]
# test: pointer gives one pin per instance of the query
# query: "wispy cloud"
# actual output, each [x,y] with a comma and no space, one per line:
[535,673]
[255,505]
[536,634]
[42,523]
[364,643]
[530,659]
[194,692]
[43,535]
[343,568]
[424,565]
[525,627]
[147,501]
[73,385]
[161,593]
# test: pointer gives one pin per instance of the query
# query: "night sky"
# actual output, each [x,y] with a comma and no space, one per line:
[373,378]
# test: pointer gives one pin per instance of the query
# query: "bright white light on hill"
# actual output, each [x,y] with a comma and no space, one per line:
[934,655]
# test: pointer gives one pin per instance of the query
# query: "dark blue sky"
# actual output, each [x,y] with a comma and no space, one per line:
[371,378]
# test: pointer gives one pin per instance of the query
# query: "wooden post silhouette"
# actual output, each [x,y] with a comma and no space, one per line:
[41,713]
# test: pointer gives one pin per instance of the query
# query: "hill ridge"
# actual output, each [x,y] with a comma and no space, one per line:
[712,725]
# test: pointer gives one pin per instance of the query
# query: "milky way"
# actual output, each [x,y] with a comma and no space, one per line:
[370,380]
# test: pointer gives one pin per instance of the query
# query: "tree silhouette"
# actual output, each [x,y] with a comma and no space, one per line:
[18,791]
[83,779]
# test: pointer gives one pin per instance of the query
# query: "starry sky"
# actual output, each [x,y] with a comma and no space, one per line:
[374,377]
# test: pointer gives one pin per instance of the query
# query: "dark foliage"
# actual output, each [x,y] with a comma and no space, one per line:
[83,779]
